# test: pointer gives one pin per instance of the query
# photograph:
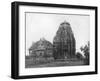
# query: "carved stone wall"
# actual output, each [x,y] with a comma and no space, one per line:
[64,42]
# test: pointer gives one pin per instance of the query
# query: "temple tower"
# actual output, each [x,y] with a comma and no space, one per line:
[64,42]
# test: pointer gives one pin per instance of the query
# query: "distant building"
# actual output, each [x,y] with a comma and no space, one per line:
[41,49]
[64,42]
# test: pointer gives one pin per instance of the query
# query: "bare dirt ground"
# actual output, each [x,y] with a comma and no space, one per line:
[31,64]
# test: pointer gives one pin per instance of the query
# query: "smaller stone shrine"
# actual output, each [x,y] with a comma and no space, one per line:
[42,49]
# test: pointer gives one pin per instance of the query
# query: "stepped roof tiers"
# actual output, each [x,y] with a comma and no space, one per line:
[64,42]
[41,49]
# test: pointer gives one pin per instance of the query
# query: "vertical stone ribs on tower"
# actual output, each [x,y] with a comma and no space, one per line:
[64,42]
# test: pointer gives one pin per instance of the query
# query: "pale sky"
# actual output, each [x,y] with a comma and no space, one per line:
[39,25]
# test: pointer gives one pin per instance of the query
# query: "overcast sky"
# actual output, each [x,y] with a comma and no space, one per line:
[39,25]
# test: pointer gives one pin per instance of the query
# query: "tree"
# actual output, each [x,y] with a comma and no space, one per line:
[86,50]
[79,56]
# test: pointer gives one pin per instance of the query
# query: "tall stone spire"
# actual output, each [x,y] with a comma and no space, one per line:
[64,42]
